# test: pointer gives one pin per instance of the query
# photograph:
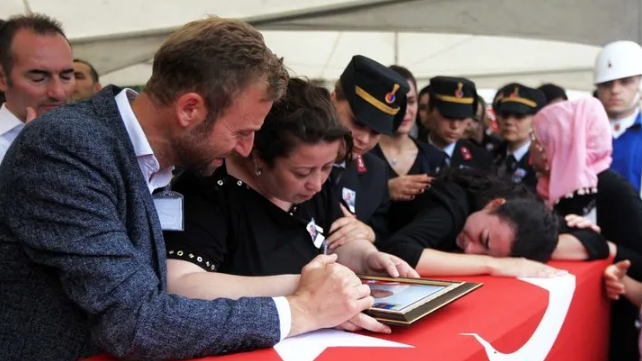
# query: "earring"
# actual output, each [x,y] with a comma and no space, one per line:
[257,169]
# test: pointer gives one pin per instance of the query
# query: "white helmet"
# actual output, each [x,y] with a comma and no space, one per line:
[617,60]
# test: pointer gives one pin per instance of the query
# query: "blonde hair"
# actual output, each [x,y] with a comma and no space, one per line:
[217,58]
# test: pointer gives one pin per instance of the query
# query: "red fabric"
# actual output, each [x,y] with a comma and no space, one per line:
[505,311]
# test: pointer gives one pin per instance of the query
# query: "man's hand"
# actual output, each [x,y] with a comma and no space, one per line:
[407,187]
[347,229]
[328,295]
[613,275]
[379,262]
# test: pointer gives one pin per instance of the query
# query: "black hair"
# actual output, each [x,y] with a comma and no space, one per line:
[304,115]
[552,92]
[37,23]
[405,73]
[424,90]
[535,226]
[92,70]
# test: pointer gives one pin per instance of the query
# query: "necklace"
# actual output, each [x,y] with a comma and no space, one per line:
[393,161]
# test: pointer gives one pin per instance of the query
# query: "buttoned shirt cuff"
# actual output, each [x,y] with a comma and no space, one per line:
[285,315]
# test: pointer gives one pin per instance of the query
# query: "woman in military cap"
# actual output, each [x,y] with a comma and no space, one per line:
[515,105]
[411,163]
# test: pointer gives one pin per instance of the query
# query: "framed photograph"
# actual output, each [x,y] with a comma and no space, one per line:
[402,301]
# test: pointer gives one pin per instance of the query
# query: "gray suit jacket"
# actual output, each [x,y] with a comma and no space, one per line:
[82,257]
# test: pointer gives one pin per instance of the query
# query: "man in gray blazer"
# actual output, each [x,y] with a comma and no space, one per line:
[82,266]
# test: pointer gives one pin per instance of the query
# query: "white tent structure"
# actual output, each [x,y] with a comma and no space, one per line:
[490,41]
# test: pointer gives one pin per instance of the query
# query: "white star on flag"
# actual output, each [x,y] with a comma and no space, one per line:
[309,346]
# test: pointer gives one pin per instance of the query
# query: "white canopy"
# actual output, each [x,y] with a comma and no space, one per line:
[318,37]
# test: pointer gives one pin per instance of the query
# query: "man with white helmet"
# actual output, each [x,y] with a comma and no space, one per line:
[618,70]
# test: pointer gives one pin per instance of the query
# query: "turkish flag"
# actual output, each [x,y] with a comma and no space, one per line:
[507,313]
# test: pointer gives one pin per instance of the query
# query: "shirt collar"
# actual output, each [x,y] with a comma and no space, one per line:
[150,168]
[8,121]
[618,127]
[520,152]
[135,131]
[449,149]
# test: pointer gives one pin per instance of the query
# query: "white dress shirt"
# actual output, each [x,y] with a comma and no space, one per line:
[10,127]
[619,127]
[448,150]
[157,178]
[520,152]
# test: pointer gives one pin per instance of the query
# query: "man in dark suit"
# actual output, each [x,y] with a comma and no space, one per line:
[453,103]
[83,268]
[515,105]
[368,97]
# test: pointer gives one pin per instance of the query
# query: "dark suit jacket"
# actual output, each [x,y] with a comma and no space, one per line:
[524,173]
[468,155]
[83,259]
[371,187]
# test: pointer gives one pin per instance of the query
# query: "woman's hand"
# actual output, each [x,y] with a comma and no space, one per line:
[407,187]
[613,276]
[347,229]
[379,262]
[522,267]
[575,221]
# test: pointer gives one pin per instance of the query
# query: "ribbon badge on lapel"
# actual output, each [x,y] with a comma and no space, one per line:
[361,165]
[519,174]
[466,154]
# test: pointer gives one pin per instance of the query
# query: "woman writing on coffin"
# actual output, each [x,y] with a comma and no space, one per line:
[253,224]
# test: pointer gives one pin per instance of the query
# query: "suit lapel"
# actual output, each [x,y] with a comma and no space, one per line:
[457,159]
[105,107]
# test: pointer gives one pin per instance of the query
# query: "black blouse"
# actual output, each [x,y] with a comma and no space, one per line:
[444,211]
[619,215]
[231,228]
[428,161]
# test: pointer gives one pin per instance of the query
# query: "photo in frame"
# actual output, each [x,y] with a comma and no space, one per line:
[403,301]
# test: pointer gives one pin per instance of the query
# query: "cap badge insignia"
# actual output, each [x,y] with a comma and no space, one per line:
[515,93]
[459,93]
[390,97]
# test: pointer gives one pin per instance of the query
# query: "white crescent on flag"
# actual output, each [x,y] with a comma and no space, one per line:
[309,346]
[560,294]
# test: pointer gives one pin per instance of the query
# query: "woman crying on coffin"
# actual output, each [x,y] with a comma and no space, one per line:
[472,222]
[252,225]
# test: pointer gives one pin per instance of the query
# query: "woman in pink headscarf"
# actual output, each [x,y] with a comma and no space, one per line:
[571,151]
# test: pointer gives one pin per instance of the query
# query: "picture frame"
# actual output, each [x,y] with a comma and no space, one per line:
[403,301]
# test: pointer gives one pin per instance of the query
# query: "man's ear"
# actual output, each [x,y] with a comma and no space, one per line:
[190,110]
[4,80]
